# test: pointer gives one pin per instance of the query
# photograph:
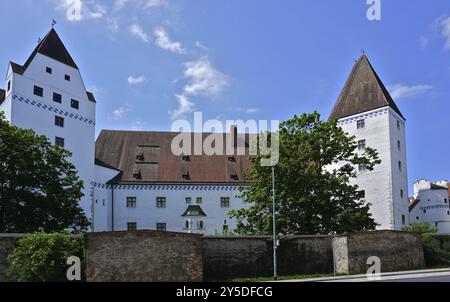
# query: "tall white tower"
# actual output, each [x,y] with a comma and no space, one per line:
[365,110]
[47,95]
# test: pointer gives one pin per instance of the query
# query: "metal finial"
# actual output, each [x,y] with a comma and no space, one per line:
[53,23]
[39,40]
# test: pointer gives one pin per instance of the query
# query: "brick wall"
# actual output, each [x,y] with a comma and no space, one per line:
[144,256]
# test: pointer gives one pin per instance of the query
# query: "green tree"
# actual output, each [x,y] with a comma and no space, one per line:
[43,257]
[39,187]
[313,190]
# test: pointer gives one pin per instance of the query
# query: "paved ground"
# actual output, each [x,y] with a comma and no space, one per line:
[437,275]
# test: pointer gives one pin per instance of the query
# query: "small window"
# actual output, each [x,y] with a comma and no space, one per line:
[186,158]
[403,220]
[363,194]
[225,202]
[445,200]
[401,193]
[200,225]
[59,121]
[9,86]
[436,224]
[57,98]
[399,146]
[59,141]
[140,157]
[137,175]
[225,228]
[234,177]
[67,77]
[424,211]
[39,91]
[188,224]
[188,200]
[75,104]
[231,159]
[186,176]
[131,202]
[161,202]
[398,125]
[400,166]
[132,226]
[49,70]
[362,144]
[362,167]
[361,124]
[448,212]
[199,200]
[161,227]
[417,217]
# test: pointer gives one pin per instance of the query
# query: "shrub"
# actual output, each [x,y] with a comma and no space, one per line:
[42,257]
[433,254]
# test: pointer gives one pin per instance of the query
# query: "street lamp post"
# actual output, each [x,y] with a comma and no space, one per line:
[275,243]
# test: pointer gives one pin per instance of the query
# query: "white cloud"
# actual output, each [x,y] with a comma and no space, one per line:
[155,3]
[119,113]
[163,41]
[77,10]
[137,31]
[445,31]
[403,91]
[184,107]
[423,41]
[248,110]
[203,78]
[201,46]
[135,80]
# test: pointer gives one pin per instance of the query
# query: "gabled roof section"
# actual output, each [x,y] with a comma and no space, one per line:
[52,47]
[362,92]
[16,68]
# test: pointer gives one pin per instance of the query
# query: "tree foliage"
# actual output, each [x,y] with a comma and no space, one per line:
[39,187]
[43,257]
[313,190]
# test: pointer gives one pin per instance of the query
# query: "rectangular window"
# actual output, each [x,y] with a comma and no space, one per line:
[398,125]
[75,104]
[67,77]
[445,200]
[401,193]
[225,202]
[188,200]
[59,121]
[400,166]
[199,200]
[57,98]
[361,124]
[161,227]
[131,202]
[403,219]
[188,224]
[49,70]
[59,141]
[161,202]
[39,91]
[200,225]
[9,86]
[362,144]
[132,226]
[398,145]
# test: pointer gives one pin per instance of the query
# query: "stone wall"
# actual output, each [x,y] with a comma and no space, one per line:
[396,250]
[239,257]
[144,256]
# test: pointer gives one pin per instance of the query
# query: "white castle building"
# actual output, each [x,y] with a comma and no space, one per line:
[430,203]
[132,180]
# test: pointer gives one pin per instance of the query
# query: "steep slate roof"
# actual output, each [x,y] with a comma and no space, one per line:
[120,150]
[363,91]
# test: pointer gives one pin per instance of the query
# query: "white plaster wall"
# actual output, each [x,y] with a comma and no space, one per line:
[382,185]
[147,215]
[433,207]
[79,136]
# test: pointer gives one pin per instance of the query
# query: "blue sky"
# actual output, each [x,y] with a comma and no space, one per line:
[150,61]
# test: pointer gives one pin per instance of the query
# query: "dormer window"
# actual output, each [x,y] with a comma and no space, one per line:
[137,175]
[231,159]
[67,78]
[234,177]
[186,158]
[186,176]
[48,70]
[140,157]
[75,104]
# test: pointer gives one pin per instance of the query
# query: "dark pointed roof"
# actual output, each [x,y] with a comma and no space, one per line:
[52,47]
[362,92]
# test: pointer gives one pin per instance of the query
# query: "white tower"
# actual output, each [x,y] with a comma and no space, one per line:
[365,110]
[47,95]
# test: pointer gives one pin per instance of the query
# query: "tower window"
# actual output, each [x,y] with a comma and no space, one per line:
[9,86]
[132,226]
[49,70]
[131,202]
[59,121]
[39,91]
[400,166]
[401,193]
[67,77]
[161,202]
[57,98]
[188,224]
[398,145]
[161,227]
[59,141]
[403,219]
[75,104]
[362,144]
[361,124]
[225,202]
